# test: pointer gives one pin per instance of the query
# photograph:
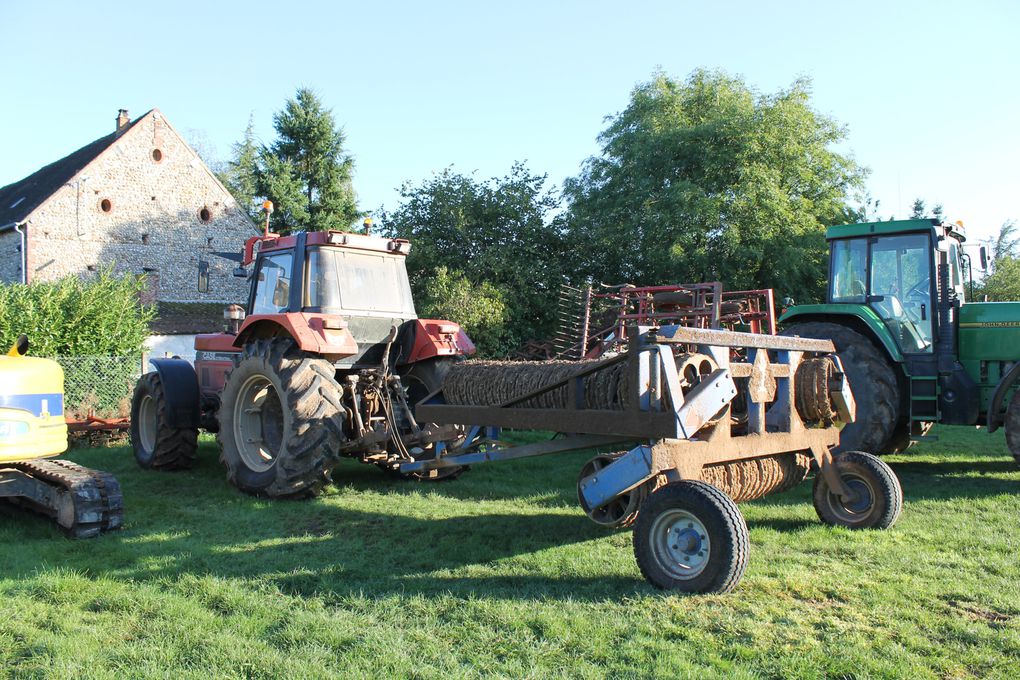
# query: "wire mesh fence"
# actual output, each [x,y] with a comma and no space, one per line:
[98,385]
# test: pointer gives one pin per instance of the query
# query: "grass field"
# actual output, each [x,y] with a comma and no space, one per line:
[499,573]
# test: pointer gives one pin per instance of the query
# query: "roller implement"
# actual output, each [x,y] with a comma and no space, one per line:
[706,417]
[83,502]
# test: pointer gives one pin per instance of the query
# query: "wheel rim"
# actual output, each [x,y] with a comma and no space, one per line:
[680,544]
[147,423]
[862,504]
[259,423]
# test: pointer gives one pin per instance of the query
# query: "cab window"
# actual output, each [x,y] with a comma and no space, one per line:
[272,293]
[848,279]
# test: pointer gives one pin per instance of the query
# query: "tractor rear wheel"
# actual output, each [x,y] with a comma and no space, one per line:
[156,444]
[281,420]
[1013,426]
[873,383]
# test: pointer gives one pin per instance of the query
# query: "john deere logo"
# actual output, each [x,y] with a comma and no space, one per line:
[990,324]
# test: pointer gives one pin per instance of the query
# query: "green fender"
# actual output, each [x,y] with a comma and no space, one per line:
[832,312]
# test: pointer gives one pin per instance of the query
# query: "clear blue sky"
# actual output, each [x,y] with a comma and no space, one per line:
[930,91]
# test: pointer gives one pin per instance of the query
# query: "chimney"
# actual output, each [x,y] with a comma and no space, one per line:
[122,121]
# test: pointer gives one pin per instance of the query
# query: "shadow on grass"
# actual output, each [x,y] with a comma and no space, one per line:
[515,530]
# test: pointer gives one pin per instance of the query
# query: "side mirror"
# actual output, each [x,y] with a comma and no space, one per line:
[983,257]
[241,273]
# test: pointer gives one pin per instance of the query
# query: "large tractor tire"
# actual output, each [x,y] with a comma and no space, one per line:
[877,427]
[156,444]
[281,420]
[1013,426]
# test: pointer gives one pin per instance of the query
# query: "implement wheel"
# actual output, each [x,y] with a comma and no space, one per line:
[281,420]
[156,444]
[623,510]
[878,498]
[691,537]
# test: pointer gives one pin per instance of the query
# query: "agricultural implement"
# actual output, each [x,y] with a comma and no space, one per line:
[916,351]
[594,320]
[83,502]
[709,418]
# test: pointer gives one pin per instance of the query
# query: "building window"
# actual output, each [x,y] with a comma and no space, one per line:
[157,155]
[204,214]
[106,205]
[203,276]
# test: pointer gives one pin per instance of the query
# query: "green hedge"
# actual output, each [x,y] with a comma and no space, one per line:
[99,316]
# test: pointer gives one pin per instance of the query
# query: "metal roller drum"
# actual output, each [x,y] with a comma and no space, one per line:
[493,383]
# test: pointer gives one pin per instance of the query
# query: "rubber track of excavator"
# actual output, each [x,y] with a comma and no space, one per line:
[97,500]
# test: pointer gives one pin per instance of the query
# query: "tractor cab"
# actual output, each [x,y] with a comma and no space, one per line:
[894,307]
[889,268]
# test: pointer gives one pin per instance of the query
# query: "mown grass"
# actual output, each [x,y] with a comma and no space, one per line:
[499,573]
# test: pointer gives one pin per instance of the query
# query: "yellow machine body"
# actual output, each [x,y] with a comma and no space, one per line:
[32,422]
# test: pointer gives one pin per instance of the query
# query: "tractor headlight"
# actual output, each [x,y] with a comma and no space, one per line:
[12,428]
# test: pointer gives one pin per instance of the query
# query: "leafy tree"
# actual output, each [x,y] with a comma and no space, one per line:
[494,233]
[706,179]
[1004,281]
[480,308]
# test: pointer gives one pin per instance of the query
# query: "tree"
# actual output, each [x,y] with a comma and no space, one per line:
[919,210]
[494,233]
[241,175]
[1003,281]
[706,179]
[480,308]
[306,171]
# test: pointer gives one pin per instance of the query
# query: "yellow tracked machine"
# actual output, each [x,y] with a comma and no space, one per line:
[83,502]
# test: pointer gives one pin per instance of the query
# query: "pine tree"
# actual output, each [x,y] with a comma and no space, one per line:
[241,175]
[308,155]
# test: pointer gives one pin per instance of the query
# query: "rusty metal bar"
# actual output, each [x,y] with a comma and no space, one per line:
[573,443]
[719,338]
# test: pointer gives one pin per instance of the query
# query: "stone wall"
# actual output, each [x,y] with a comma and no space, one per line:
[147,204]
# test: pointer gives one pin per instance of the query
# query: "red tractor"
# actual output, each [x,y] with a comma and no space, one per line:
[325,361]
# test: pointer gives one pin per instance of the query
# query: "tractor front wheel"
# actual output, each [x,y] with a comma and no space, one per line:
[281,420]
[156,444]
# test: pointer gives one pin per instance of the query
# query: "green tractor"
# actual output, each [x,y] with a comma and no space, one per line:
[914,350]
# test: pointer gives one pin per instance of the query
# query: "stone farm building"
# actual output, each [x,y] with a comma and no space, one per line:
[139,199]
